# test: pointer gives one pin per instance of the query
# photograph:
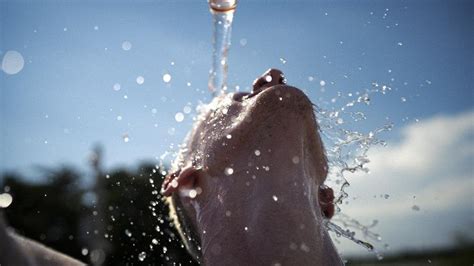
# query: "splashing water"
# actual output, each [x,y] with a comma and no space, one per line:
[347,153]
[223,14]
[347,234]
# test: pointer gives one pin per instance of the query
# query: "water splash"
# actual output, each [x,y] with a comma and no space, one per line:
[347,152]
[347,234]
[223,14]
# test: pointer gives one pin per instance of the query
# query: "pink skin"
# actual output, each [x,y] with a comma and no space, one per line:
[250,178]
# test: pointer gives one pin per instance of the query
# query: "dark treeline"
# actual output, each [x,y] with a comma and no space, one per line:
[122,219]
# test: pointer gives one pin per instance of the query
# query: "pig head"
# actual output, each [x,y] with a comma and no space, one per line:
[246,188]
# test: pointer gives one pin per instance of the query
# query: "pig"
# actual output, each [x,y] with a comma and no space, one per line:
[247,187]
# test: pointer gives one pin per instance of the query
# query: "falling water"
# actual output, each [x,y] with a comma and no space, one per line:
[223,14]
[347,152]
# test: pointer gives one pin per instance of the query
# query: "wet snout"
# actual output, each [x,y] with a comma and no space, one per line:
[270,78]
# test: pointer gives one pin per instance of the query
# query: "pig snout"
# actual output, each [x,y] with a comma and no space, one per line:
[270,78]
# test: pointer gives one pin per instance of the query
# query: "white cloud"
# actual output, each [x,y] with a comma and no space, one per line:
[426,145]
[431,166]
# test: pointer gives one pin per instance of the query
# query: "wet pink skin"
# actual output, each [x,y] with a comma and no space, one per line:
[250,177]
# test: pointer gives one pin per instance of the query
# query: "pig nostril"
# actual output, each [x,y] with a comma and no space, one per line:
[269,78]
[282,79]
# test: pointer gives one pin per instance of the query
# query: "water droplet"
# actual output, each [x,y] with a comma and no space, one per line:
[275,198]
[403,99]
[12,62]
[322,83]
[192,193]
[126,138]
[243,42]
[179,117]
[386,196]
[229,136]
[257,153]
[171,131]
[166,78]
[310,78]
[65,29]
[140,80]
[282,60]
[96,27]
[128,233]
[154,241]
[246,228]
[142,256]
[116,87]
[228,171]
[295,159]
[126,45]
[304,247]
[5,200]
[187,109]
[154,111]
[415,207]
[174,183]
[268,78]
[119,117]
[84,252]
[400,43]
[188,84]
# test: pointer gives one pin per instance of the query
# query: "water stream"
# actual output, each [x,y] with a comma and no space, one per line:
[222,15]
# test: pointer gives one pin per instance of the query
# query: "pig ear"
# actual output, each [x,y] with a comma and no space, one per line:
[184,179]
[326,201]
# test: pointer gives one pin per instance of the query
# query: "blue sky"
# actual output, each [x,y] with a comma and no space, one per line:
[63,102]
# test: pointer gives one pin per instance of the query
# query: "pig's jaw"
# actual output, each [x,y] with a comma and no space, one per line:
[265,212]
[271,223]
